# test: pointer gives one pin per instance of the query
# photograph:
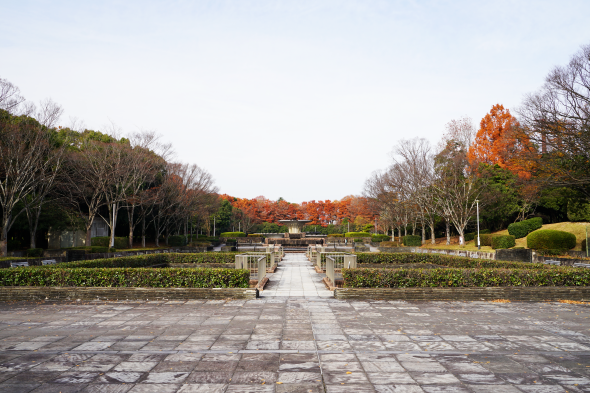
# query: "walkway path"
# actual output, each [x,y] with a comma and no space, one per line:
[296,277]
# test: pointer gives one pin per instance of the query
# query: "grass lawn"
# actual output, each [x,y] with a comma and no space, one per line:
[577,228]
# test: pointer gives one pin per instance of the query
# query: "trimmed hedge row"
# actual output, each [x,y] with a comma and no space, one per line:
[153,259]
[232,234]
[443,260]
[357,234]
[380,238]
[104,241]
[523,228]
[412,241]
[545,239]
[335,235]
[126,277]
[408,278]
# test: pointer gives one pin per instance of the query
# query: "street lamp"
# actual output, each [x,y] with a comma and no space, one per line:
[478,242]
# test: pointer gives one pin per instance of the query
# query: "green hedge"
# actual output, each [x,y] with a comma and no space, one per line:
[503,241]
[155,259]
[486,239]
[126,277]
[34,252]
[233,234]
[357,234]
[335,235]
[472,235]
[412,240]
[523,228]
[443,260]
[380,238]
[255,235]
[176,241]
[545,239]
[104,241]
[408,278]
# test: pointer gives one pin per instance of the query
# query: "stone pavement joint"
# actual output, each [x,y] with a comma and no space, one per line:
[296,277]
[305,341]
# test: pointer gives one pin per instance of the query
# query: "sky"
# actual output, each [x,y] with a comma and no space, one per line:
[295,99]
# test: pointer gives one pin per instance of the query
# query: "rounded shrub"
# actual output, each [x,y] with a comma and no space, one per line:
[523,228]
[233,234]
[255,235]
[485,239]
[335,235]
[503,241]
[412,240]
[548,239]
[357,234]
[380,238]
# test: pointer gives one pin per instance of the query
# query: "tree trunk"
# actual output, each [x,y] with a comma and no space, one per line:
[143,232]
[88,242]
[461,236]
[113,213]
[432,235]
[423,234]
[4,242]
[167,233]
[448,232]
[130,214]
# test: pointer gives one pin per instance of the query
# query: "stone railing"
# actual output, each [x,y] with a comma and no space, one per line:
[255,263]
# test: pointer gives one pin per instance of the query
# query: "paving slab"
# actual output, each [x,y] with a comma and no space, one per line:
[304,341]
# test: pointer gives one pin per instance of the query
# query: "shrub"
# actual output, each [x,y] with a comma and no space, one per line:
[176,241]
[34,252]
[335,235]
[126,277]
[358,240]
[503,241]
[545,239]
[386,258]
[523,228]
[357,234]
[380,238]
[255,235]
[104,241]
[233,234]
[412,240]
[482,277]
[486,239]
[156,259]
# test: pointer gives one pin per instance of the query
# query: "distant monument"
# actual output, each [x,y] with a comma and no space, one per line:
[295,226]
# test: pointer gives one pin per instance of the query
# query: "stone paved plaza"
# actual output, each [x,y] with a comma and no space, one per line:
[306,342]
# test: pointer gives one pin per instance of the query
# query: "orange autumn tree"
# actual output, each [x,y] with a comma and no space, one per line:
[500,141]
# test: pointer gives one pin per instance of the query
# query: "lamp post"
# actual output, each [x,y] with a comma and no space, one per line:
[478,242]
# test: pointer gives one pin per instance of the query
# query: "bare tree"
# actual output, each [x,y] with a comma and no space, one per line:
[27,161]
[557,120]
[457,187]
[10,98]
[85,180]
[148,157]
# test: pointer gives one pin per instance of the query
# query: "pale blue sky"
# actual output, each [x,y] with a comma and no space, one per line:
[299,99]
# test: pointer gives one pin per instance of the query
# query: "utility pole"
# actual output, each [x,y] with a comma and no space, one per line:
[478,242]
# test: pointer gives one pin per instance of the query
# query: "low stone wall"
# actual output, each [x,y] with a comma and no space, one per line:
[518,255]
[531,294]
[99,293]
[563,261]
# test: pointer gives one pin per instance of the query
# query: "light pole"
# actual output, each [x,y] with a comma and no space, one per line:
[478,242]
